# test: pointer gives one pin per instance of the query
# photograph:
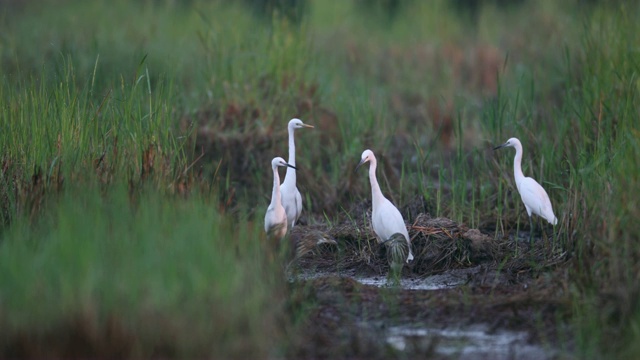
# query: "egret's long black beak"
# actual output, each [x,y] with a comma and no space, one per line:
[500,146]
[293,167]
[359,164]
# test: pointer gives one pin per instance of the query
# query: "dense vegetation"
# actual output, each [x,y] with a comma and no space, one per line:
[136,139]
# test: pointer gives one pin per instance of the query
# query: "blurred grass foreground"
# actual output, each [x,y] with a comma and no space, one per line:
[136,136]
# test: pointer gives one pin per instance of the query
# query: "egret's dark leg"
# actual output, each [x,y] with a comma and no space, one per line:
[530,230]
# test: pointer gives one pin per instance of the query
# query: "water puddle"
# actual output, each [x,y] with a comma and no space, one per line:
[450,342]
[446,280]
[467,343]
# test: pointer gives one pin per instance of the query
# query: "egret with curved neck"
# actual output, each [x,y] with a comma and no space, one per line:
[275,220]
[385,217]
[533,195]
[291,198]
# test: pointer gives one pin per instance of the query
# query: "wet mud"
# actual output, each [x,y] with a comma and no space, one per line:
[469,293]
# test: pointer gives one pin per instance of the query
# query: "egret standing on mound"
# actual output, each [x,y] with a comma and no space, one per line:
[275,220]
[533,196]
[291,198]
[385,217]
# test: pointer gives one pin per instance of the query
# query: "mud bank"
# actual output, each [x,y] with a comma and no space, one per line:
[467,295]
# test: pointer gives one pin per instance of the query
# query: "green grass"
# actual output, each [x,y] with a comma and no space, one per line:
[102,128]
[68,121]
[167,270]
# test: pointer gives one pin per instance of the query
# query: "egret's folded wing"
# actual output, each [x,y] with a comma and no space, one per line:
[534,196]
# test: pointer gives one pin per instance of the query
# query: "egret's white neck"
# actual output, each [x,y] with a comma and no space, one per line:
[517,163]
[291,173]
[275,193]
[376,193]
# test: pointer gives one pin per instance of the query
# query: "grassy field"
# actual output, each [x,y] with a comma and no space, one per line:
[136,138]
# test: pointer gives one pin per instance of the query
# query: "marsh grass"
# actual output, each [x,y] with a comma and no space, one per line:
[66,133]
[172,275]
[182,102]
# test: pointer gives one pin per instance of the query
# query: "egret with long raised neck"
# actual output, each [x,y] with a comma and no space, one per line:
[291,198]
[275,220]
[533,195]
[385,217]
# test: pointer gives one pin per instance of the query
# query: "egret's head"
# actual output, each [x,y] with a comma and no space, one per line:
[510,143]
[367,155]
[278,161]
[297,124]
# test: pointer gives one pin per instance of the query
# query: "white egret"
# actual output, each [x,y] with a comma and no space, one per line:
[533,195]
[275,220]
[385,217]
[291,198]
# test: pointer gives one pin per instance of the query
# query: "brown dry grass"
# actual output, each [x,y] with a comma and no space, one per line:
[438,244]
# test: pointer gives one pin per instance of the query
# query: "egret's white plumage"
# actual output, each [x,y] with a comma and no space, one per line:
[275,220]
[291,198]
[533,195]
[385,217]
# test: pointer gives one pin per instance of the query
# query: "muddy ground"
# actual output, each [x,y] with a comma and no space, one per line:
[469,293]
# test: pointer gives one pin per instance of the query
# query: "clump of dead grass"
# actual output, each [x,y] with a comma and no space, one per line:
[439,244]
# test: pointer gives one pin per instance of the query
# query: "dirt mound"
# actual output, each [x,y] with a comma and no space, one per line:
[439,244]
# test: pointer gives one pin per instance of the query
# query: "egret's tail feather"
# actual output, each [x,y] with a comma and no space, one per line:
[410,257]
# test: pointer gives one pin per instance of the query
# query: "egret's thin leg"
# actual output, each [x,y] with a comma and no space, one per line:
[530,230]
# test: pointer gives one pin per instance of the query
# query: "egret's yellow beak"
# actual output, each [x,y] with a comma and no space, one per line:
[307,125]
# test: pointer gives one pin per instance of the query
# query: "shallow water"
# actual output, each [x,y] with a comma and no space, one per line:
[468,343]
[446,280]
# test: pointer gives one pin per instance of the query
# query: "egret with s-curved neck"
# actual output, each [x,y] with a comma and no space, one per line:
[385,217]
[533,195]
[291,198]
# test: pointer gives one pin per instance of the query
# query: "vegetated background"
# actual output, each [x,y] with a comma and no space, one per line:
[136,138]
